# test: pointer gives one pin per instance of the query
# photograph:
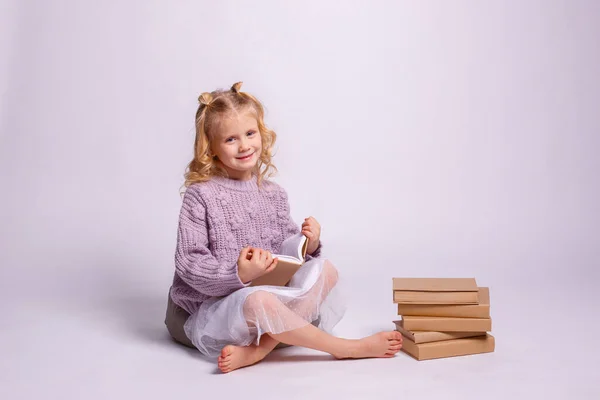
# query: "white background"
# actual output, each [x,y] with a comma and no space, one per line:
[432,138]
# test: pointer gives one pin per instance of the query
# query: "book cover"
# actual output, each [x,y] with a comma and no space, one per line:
[411,297]
[435,290]
[432,336]
[435,284]
[449,348]
[481,310]
[447,324]
[290,258]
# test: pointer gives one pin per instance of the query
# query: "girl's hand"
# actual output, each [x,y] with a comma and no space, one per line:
[254,262]
[312,230]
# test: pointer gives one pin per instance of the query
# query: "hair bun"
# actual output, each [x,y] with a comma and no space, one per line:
[205,98]
[236,87]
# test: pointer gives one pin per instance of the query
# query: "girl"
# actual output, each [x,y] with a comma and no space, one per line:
[232,219]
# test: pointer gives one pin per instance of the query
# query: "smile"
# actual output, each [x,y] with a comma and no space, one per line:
[245,158]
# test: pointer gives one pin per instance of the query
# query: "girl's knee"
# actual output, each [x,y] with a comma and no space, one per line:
[259,300]
[330,274]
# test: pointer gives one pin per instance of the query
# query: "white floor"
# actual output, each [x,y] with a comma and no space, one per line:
[68,340]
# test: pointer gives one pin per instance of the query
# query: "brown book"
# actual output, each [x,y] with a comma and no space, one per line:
[436,284]
[481,310]
[449,348]
[435,291]
[432,336]
[407,297]
[447,324]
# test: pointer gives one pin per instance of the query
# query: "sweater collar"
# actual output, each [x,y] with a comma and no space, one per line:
[245,186]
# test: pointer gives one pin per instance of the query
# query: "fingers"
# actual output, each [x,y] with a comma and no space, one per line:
[263,257]
[308,234]
[310,220]
[310,227]
[255,254]
[245,253]
[269,259]
[307,230]
[272,266]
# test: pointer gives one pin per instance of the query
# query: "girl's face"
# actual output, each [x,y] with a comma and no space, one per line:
[238,145]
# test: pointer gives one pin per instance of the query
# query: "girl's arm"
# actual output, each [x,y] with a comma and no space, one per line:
[292,228]
[194,262]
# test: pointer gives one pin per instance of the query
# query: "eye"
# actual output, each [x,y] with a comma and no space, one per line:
[229,139]
[250,133]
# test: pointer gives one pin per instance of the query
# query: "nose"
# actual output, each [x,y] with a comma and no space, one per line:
[244,145]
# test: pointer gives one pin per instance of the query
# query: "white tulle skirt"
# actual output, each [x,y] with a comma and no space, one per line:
[312,296]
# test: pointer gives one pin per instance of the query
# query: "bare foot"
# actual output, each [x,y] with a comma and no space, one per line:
[234,357]
[382,344]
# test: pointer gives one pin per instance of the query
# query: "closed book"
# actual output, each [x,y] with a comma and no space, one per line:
[435,291]
[481,310]
[436,284]
[447,324]
[432,336]
[449,348]
[409,297]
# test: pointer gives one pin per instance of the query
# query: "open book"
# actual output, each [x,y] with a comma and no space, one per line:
[291,258]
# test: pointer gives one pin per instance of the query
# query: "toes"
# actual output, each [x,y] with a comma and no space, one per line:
[223,368]
[226,351]
[393,335]
[395,342]
[225,365]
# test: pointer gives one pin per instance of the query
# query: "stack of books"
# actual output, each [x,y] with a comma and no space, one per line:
[443,317]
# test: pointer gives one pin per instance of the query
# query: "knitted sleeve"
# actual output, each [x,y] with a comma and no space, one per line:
[194,262]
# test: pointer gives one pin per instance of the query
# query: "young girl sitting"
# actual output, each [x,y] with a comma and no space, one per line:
[232,220]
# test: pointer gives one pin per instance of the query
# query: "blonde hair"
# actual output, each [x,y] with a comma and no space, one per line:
[213,107]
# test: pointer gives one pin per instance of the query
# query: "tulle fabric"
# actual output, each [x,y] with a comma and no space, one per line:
[312,296]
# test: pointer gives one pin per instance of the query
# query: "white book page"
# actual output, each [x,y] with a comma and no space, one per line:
[291,248]
[289,259]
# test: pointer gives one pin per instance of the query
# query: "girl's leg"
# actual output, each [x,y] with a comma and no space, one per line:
[308,303]
[262,307]
[382,344]
[234,357]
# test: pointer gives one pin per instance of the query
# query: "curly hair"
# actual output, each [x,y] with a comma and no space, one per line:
[213,107]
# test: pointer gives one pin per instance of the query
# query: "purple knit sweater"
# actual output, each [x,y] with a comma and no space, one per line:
[217,219]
